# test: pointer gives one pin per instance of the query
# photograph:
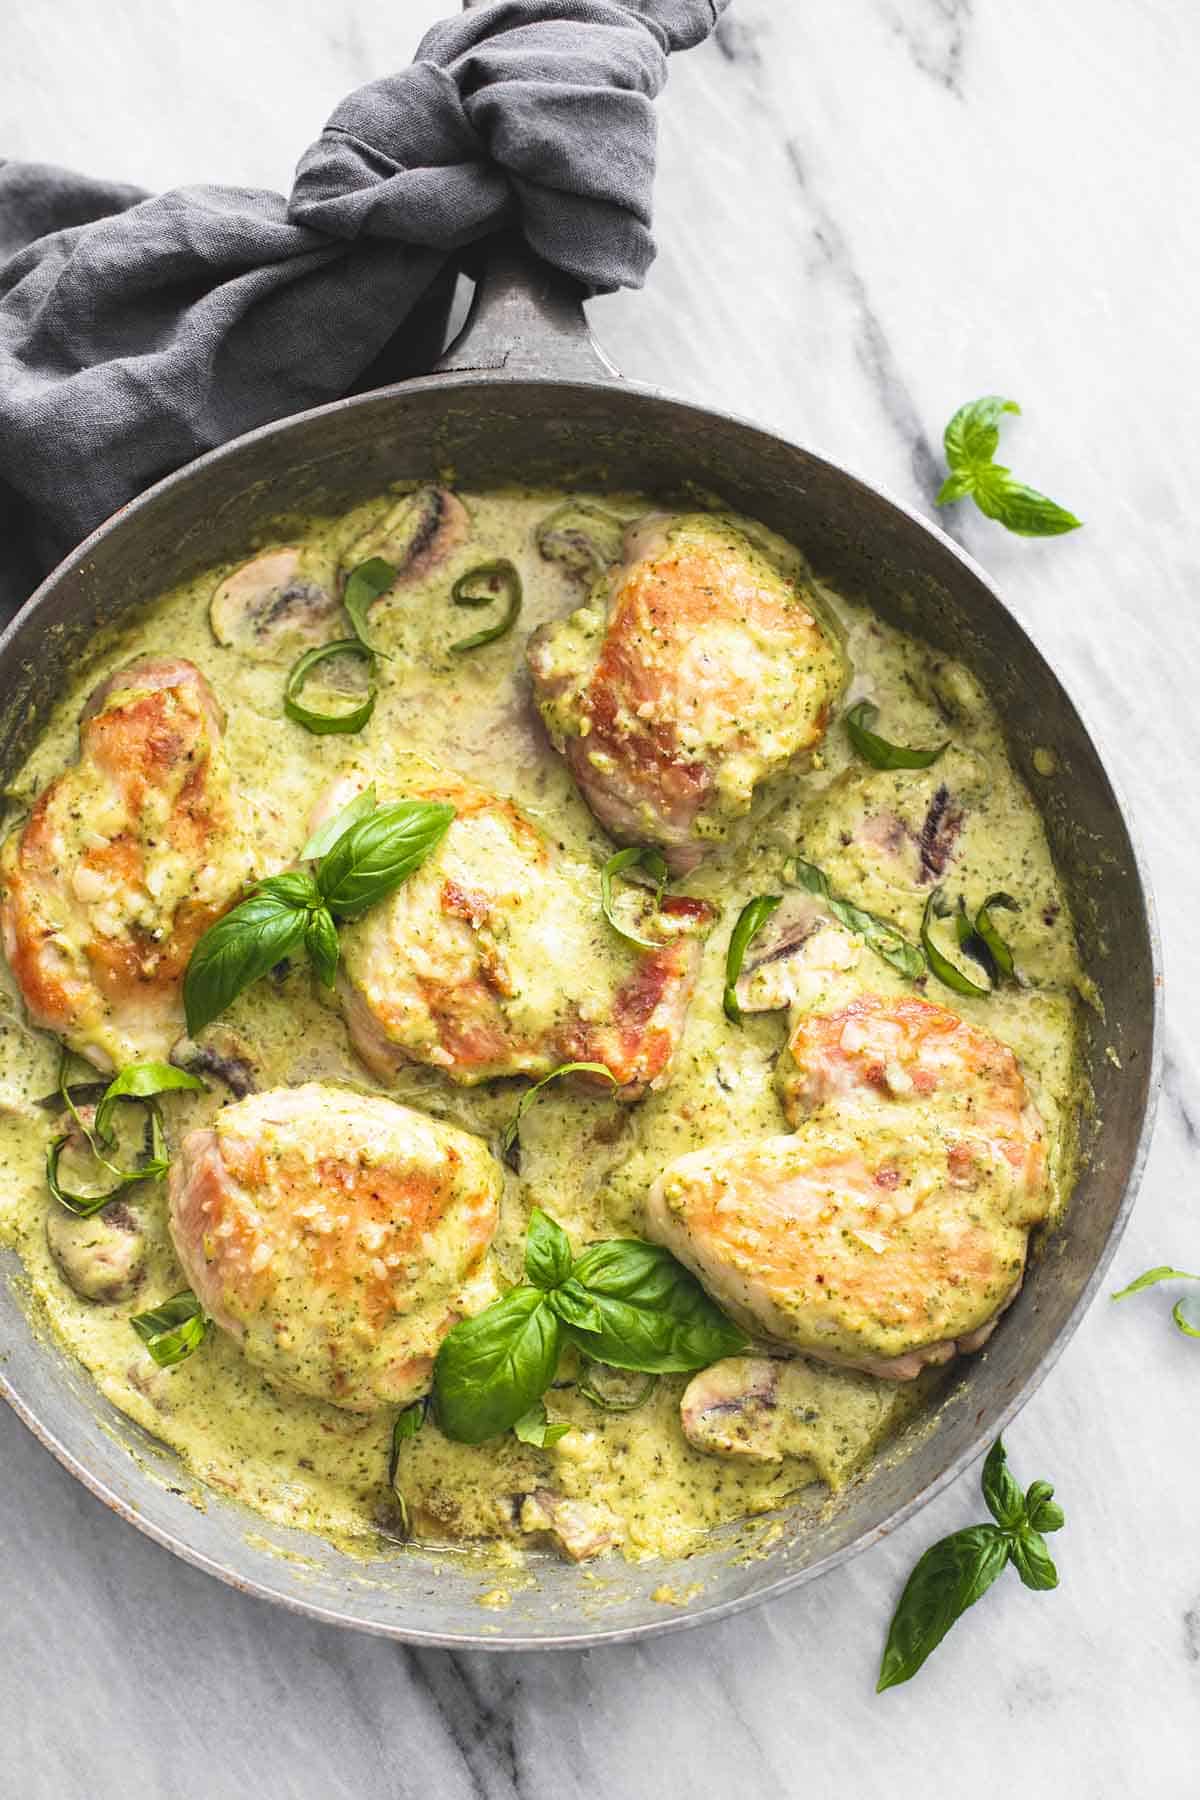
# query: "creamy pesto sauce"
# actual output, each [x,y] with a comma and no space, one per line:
[588,1161]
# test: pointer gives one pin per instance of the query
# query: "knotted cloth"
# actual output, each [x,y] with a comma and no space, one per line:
[138,331]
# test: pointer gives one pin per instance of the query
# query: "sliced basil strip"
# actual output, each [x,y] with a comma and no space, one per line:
[510,1146]
[364,585]
[85,1206]
[140,1081]
[613,1389]
[947,973]
[1164,1272]
[655,865]
[879,935]
[750,922]
[501,579]
[877,750]
[408,1422]
[985,928]
[323,723]
[172,1331]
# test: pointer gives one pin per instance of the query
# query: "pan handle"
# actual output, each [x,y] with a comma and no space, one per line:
[526,319]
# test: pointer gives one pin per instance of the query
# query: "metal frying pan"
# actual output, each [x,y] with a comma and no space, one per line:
[525,395]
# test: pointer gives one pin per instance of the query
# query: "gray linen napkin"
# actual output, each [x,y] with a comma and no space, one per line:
[138,331]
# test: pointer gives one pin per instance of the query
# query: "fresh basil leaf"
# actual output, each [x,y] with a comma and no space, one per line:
[946,971]
[172,1331]
[481,586]
[548,1256]
[950,1577]
[576,1307]
[1001,1490]
[364,585]
[655,865]
[1033,1561]
[654,1314]
[750,922]
[378,852]
[1018,508]
[140,1081]
[1182,1321]
[321,942]
[321,724]
[612,1389]
[492,1368]
[535,1428]
[971,440]
[510,1142]
[327,835]
[880,935]
[583,537]
[1163,1272]
[242,947]
[1042,1511]
[408,1422]
[877,750]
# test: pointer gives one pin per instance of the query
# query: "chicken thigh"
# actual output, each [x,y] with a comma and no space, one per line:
[338,1236]
[889,1230]
[125,860]
[495,959]
[695,671]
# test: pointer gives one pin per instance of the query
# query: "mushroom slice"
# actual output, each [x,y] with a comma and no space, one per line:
[420,531]
[581,1529]
[584,538]
[800,958]
[274,607]
[102,1258]
[765,1408]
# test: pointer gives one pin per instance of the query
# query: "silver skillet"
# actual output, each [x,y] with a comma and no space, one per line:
[525,395]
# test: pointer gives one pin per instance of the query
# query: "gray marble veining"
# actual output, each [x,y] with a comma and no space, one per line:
[868,211]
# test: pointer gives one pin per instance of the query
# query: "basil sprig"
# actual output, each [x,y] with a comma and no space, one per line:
[636,857]
[877,750]
[953,1574]
[173,1331]
[140,1082]
[880,935]
[971,440]
[750,922]
[1151,1278]
[373,854]
[510,1137]
[482,586]
[621,1302]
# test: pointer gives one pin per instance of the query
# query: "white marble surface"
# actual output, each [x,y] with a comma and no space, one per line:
[868,211]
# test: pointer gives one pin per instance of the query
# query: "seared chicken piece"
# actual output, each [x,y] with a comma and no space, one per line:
[125,860]
[338,1236]
[581,1529]
[695,671]
[495,959]
[890,1229]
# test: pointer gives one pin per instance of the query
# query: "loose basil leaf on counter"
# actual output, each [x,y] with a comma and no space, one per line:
[498,579]
[408,1422]
[954,1573]
[610,1388]
[1151,1278]
[880,935]
[583,537]
[510,1144]
[172,1331]
[877,750]
[492,1368]
[241,947]
[1182,1321]
[971,440]
[327,835]
[535,1428]
[140,1081]
[321,943]
[655,1316]
[364,585]
[548,1256]
[951,1576]
[947,973]
[655,865]
[750,922]
[378,852]
[324,723]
